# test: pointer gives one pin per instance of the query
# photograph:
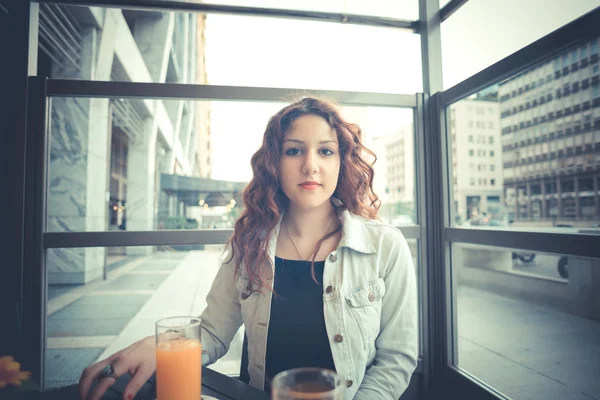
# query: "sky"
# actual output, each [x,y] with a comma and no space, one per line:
[287,53]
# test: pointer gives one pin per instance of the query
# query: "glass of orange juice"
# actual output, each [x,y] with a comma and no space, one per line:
[178,359]
[307,383]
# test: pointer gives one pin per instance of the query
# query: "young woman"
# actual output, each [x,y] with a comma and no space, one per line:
[314,277]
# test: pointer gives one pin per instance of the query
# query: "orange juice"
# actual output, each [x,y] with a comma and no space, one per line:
[179,370]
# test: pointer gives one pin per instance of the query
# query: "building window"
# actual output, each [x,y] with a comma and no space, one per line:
[492,182]
[471,152]
[491,140]
[492,167]
[491,153]
[472,181]
[470,138]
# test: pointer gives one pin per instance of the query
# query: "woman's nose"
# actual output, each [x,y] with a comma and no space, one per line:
[310,164]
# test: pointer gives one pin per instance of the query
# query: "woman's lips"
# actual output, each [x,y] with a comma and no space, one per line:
[309,186]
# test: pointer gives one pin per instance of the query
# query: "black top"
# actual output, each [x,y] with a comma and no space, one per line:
[297,336]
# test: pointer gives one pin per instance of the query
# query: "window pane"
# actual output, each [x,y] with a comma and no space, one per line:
[483,32]
[523,329]
[123,165]
[89,318]
[542,148]
[177,47]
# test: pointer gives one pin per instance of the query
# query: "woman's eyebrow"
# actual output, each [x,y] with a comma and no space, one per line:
[302,142]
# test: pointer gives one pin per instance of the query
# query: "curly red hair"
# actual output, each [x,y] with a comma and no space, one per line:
[264,200]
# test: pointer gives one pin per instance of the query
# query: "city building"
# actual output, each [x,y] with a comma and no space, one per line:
[395,175]
[550,121]
[476,155]
[107,155]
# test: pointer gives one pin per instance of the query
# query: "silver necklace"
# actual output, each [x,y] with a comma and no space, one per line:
[294,244]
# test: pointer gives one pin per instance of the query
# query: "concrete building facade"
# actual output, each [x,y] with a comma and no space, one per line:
[550,120]
[476,156]
[107,155]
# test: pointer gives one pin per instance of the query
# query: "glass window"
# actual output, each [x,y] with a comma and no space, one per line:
[202,49]
[149,201]
[502,159]
[89,318]
[481,24]
[584,50]
[545,362]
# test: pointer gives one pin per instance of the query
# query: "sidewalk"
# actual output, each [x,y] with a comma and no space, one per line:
[525,351]
[89,322]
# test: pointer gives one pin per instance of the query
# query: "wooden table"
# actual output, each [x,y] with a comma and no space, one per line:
[214,384]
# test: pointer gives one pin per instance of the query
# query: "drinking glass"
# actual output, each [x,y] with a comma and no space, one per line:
[307,383]
[178,359]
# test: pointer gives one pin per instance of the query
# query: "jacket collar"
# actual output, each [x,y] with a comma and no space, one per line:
[354,234]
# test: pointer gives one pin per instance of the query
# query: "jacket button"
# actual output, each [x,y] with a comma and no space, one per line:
[338,338]
[329,289]
[371,297]
[332,258]
[349,382]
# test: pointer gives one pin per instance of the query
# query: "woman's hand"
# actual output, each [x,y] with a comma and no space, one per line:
[139,360]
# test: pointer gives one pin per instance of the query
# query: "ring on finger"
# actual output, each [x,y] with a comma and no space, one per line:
[108,372]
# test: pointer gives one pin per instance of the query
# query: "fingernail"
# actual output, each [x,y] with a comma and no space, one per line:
[129,396]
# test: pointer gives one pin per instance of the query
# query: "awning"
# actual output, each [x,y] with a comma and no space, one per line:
[191,189]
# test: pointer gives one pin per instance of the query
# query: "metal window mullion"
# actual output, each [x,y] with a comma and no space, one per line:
[572,244]
[451,8]
[56,240]
[180,91]
[34,277]
[197,7]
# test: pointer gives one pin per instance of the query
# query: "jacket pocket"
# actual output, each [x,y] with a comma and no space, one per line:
[244,287]
[364,303]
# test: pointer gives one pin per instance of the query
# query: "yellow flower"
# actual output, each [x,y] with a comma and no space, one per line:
[10,372]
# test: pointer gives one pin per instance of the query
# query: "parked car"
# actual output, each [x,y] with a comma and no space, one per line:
[563,261]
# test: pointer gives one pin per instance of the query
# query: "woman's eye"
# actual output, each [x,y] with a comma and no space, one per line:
[326,152]
[292,152]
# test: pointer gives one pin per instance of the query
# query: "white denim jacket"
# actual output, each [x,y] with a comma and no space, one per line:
[370,308]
